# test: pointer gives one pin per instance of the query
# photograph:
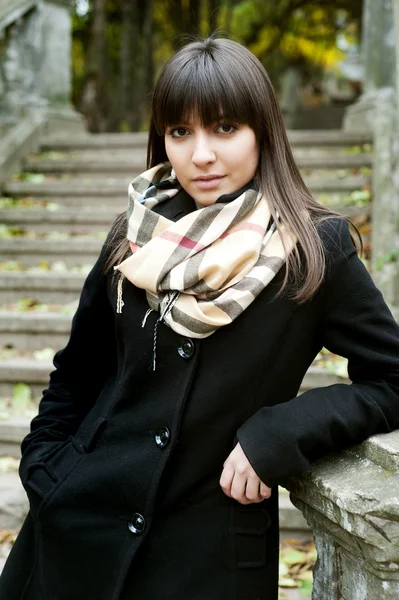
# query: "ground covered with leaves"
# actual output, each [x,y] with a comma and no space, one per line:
[297,559]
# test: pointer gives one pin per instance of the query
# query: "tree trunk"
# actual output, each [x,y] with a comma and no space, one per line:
[193,17]
[94,91]
[214,6]
[130,63]
[148,63]
[185,19]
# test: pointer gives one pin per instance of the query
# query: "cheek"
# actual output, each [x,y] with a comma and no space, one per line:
[175,155]
[247,157]
[254,155]
[168,150]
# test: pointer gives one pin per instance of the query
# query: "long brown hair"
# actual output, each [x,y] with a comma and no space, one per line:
[217,75]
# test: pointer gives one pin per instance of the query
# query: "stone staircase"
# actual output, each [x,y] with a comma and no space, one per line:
[54,217]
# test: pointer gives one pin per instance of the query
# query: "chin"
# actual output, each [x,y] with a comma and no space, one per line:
[207,200]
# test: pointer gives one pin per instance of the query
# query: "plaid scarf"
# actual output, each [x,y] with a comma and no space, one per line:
[202,271]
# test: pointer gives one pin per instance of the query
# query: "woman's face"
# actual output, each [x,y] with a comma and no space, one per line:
[211,161]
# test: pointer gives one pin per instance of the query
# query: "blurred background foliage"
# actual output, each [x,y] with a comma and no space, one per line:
[120,45]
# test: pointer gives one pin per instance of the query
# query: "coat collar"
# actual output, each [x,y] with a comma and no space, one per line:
[177,207]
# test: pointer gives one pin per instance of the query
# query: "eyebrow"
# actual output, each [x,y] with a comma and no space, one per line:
[187,123]
[179,124]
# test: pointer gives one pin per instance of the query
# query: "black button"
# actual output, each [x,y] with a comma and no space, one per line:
[186,348]
[162,437]
[137,524]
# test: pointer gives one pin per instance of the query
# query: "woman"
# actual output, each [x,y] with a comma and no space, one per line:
[172,415]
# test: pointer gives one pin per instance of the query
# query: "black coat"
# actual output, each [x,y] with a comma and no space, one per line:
[122,464]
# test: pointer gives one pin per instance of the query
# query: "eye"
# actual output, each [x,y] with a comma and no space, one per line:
[227,128]
[178,132]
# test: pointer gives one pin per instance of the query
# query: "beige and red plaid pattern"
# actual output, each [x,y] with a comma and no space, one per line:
[219,257]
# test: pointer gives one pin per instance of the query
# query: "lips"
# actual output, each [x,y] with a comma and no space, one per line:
[208,177]
[206,182]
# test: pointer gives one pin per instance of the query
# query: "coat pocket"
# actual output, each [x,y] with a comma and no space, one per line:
[42,477]
[248,527]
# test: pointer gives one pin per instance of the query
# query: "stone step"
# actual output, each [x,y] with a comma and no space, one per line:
[112,191]
[107,141]
[134,155]
[30,252]
[33,330]
[35,373]
[78,165]
[125,165]
[45,287]
[24,370]
[327,137]
[13,502]
[65,219]
[112,141]
[97,196]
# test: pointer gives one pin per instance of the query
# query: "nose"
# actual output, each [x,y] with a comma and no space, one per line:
[203,152]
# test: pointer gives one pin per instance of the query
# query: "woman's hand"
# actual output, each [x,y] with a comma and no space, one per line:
[239,480]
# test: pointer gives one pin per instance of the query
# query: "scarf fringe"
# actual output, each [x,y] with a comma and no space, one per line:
[119,299]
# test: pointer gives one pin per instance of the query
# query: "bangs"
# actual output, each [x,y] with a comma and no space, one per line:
[205,88]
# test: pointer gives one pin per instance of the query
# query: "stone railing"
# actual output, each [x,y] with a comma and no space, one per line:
[351,501]
[35,75]
[20,30]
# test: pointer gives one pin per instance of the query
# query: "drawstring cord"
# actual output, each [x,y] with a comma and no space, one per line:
[271,230]
[166,310]
[144,321]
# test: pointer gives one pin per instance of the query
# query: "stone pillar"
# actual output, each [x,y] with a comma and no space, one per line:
[55,79]
[32,57]
[351,501]
[379,60]
[35,66]
[396,168]
[55,72]
[377,112]
[11,75]
[379,52]
[396,22]
[289,97]
[385,205]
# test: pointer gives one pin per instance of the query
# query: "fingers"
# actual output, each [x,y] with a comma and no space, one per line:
[234,484]
[226,479]
[239,480]
[252,491]
[246,490]
[238,489]
[265,491]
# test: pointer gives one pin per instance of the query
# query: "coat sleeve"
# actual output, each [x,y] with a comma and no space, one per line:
[283,440]
[81,368]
